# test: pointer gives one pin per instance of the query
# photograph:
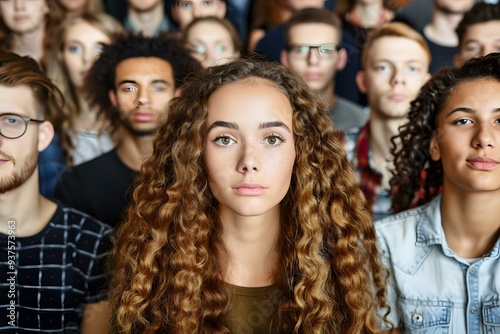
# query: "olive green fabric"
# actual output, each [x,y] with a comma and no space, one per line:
[252,309]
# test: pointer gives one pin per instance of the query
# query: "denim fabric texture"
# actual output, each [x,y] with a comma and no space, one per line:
[431,289]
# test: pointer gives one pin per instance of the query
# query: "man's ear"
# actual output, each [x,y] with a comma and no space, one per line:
[284,58]
[112,98]
[434,147]
[361,81]
[342,61]
[221,9]
[45,135]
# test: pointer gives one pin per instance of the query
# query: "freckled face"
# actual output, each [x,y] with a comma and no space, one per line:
[249,150]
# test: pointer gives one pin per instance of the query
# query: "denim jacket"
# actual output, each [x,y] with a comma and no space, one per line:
[431,289]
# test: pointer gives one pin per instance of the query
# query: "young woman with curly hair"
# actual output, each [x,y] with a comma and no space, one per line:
[247,217]
[444,256]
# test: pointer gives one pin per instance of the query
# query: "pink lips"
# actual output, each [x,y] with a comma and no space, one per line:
[397,97]
[249,189]
[313,76]
[482,163]
[144,117]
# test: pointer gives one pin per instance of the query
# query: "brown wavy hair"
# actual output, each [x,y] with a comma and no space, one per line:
[166,274]
[57,71]
[417,179]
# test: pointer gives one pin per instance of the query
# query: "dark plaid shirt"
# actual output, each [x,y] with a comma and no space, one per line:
[357,145]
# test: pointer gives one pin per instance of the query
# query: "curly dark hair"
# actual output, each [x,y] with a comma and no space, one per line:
[101,77]
[416,177]
[481,12]
[167,272]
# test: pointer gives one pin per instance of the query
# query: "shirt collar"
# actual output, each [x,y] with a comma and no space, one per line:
[430,230]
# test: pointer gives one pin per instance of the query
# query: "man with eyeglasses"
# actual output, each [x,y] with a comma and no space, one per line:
[51,256]
[312,37]
[394,66]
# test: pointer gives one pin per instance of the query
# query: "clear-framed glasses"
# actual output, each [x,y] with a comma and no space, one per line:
[13,126]
[325,51]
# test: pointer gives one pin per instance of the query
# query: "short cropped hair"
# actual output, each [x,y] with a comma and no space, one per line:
[480,13]
[313,15]
[393,29]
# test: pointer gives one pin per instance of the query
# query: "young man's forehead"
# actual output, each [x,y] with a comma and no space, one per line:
[396,48]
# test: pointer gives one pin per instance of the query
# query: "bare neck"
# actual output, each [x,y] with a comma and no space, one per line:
[29,44]
[381,132]
[250,246]
[441,30]
[470,220]
[88,117]
[133,150]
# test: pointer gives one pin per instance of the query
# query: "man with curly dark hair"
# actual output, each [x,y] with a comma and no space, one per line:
[131,84]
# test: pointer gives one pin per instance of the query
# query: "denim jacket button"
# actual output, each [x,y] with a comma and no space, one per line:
[417,318]
[473,310]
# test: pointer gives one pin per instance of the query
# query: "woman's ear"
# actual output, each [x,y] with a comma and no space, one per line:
[434,147]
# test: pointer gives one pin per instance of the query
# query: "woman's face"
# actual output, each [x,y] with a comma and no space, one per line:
[249,150]
[82,46]
[210,44]
[467,140]
[24,16]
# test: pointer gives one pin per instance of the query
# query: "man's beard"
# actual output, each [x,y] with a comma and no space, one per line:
[136,132]
[8,183]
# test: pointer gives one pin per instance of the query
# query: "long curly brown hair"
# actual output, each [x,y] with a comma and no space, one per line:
[166,274]
[417,178]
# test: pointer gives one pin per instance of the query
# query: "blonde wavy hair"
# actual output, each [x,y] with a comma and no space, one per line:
[166,274]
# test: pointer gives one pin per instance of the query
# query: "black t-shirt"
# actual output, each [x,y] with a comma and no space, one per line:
[442,56]
[100,187]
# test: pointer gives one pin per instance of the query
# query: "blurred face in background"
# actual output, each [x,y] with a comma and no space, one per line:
[395,70]
[210,43]
[479,40]
[313,53]
[185,11]
[24,16]
[82,46]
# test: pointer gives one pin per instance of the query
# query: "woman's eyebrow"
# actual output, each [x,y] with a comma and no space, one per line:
[223,124]
[278,124]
